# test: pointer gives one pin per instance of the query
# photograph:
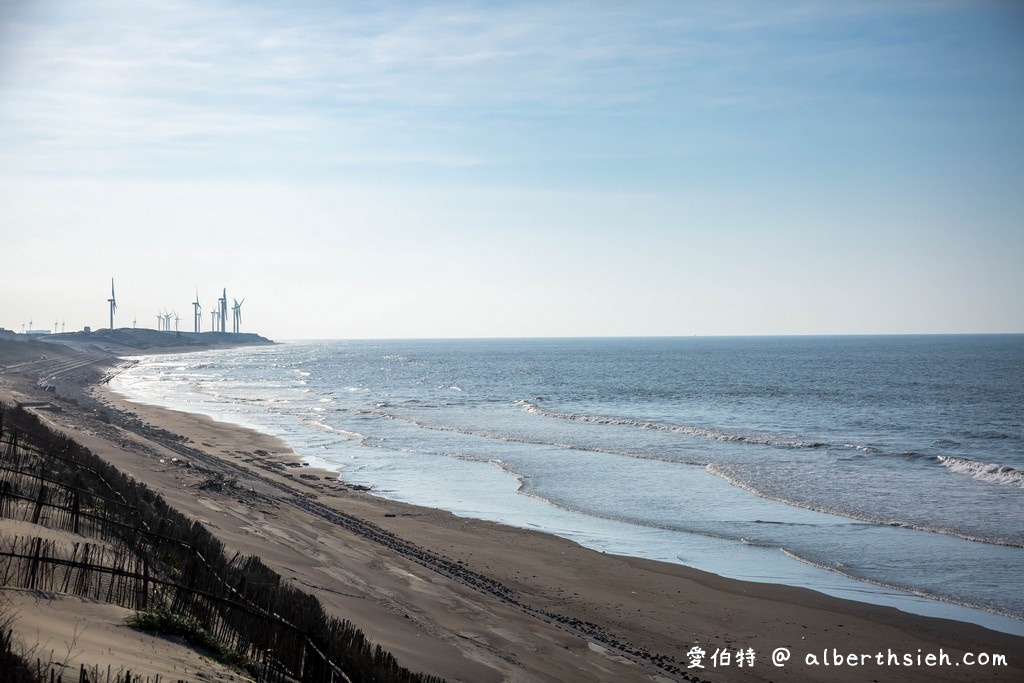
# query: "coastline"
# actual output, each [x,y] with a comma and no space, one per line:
[486,487]
[446,625]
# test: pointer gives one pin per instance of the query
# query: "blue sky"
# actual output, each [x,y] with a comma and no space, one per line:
[432,169]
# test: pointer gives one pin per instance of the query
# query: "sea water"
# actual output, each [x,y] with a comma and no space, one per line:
[883,469]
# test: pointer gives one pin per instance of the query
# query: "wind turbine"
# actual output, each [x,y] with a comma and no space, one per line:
[159,321]
[197,311]
[176,320]
[237,310]
[113,304]
[223,300]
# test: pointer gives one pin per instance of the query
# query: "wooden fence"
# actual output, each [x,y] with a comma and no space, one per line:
[143,553]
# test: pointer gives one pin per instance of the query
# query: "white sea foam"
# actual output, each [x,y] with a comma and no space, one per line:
[524,440]
[760,438]
[328,429]
[504,467]
[982,471]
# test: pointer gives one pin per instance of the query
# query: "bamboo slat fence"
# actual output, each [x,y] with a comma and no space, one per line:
[138,552]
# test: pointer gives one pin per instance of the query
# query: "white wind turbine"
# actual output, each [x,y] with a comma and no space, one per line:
[197,312]
[113,303]
[223,314]
[237,310]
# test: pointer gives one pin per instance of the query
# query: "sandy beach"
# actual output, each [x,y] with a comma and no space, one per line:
[465,599]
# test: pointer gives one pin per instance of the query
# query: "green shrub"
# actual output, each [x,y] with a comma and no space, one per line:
[162,621]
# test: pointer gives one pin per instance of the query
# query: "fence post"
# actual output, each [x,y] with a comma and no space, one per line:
[40,500]
[5,491]
[145,582]
[12,448]
[33,566]
[75,509]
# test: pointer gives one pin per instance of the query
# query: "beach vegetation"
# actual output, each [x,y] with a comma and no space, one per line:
[14,666]
[169,568]
[161,621]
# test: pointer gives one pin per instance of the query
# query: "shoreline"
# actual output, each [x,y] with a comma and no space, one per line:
[706,553]
[570,605]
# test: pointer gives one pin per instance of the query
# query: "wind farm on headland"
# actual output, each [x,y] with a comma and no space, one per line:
[218,316]
[167,321]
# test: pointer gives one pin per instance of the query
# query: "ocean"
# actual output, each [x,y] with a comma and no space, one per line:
[886,469]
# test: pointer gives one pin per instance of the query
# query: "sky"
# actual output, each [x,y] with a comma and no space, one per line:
[510,169]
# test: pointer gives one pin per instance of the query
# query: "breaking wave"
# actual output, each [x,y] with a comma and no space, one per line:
[759,438]
[838,568]
[987,472]
[511,438]
[722,471]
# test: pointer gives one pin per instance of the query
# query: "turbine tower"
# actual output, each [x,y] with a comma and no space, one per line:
[237,310]
[113,304]
[176,320]
[223,300]
[197,311]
